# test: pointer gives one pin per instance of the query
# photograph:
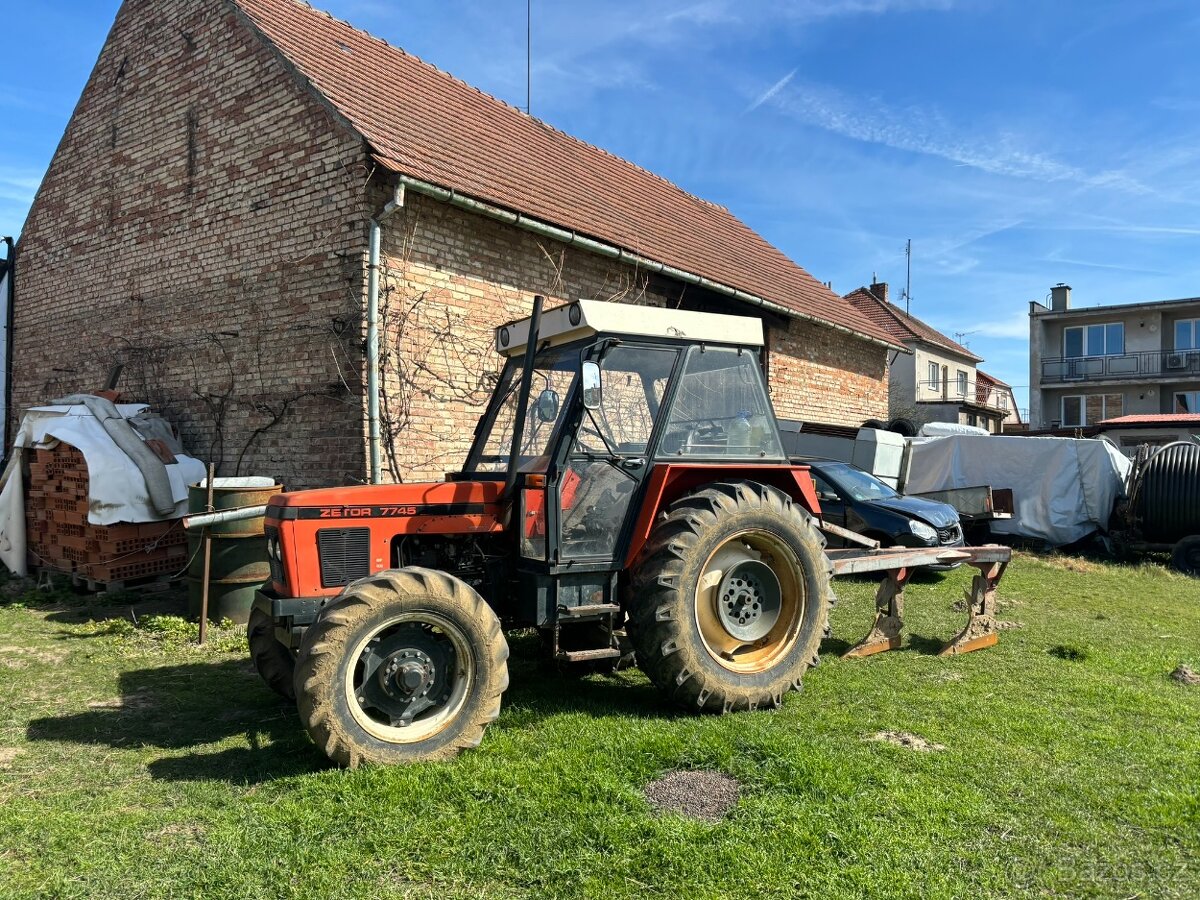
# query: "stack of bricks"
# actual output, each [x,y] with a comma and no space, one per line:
[59,537]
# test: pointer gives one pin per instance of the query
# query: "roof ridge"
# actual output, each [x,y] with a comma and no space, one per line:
[900,316]
[532,118]
[890,308]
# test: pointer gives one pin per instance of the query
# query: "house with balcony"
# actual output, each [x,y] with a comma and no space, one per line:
[1096,363]
[938,379]
[993,394]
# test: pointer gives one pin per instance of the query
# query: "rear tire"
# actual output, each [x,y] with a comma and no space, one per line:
[405,665]
[273,661]
[731,598]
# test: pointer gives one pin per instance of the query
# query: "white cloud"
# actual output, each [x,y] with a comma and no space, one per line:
[927,132]
[721,12]
[19,188]
[714,12]
[771,91]
[1015,326]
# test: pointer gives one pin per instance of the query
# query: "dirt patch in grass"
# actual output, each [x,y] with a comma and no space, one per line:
[131,701]
[701,794]
[1184,675]
[7,756]
[1072,564]
[178,833]
[906,740]
[19,657]
[1070,652]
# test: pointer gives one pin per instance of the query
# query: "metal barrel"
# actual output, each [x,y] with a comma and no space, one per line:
[239,548]
[1168,499]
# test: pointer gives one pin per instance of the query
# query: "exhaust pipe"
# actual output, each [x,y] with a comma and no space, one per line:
[514,453]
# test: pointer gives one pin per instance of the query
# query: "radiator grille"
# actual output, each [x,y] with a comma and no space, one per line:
[949,534]
[345,555]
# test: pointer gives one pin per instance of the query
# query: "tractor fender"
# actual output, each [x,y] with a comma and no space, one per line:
[670,481]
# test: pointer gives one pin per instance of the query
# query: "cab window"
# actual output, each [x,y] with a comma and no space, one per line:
[721,408]
[634,380]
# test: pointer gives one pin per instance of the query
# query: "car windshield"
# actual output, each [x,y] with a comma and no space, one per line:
[857,483]
[553,373]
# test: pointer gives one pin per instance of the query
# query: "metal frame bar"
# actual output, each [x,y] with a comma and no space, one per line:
[899,563]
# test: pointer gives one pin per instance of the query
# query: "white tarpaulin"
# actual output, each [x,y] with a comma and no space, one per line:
[116,487]
[1063,489]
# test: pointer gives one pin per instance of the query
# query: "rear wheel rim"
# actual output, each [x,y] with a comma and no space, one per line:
[751,601]
[408,679]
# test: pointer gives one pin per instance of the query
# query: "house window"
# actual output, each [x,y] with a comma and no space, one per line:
[962,383]
[1187,334]
[1072,412]
[1187,401]
[1094,340]
[1091,409]
[935,376]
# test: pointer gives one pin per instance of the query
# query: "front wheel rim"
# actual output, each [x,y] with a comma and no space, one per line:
[750,601]
[407,680]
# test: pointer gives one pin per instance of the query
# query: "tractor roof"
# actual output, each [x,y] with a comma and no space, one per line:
[588,318]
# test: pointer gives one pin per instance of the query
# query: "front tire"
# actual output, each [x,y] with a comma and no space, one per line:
[730,598]
[405,665]
[273,661]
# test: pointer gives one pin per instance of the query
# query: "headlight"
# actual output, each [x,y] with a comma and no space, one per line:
[921,530]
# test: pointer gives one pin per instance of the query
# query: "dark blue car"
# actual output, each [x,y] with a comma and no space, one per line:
[861,502]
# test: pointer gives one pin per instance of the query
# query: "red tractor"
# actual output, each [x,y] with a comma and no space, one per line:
[628,477]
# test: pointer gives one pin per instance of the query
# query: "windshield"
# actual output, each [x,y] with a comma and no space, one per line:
[857,483]
[553,373]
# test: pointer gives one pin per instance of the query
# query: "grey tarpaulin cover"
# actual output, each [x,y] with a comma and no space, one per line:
[1063,488]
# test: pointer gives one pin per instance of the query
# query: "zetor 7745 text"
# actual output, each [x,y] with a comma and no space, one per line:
[626,491]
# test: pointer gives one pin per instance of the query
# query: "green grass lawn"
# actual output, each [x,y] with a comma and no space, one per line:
[135,765]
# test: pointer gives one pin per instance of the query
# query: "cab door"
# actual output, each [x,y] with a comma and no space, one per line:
[607,460]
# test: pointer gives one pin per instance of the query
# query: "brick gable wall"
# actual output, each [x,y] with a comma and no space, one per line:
[201,223]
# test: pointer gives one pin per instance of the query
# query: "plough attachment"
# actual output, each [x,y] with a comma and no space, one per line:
[899,564]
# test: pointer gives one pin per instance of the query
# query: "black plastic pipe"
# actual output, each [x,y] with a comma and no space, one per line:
[8,339]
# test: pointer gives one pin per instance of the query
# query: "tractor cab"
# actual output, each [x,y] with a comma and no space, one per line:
[614,392]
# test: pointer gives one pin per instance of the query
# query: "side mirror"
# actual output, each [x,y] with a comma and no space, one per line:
[593,391]
[547,406]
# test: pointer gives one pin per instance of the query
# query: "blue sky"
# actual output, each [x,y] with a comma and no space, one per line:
[1018,144]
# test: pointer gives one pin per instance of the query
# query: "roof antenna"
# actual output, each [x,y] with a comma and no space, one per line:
[528,54]
[908,277]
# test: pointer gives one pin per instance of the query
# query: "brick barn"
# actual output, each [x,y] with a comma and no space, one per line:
[205,224]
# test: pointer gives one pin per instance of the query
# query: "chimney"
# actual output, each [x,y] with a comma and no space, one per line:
[879,289]
[1060,297]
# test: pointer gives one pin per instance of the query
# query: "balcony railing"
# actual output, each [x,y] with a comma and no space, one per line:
[953,391]
[1138,365]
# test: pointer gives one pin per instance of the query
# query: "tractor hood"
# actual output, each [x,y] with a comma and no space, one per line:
[473,502]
